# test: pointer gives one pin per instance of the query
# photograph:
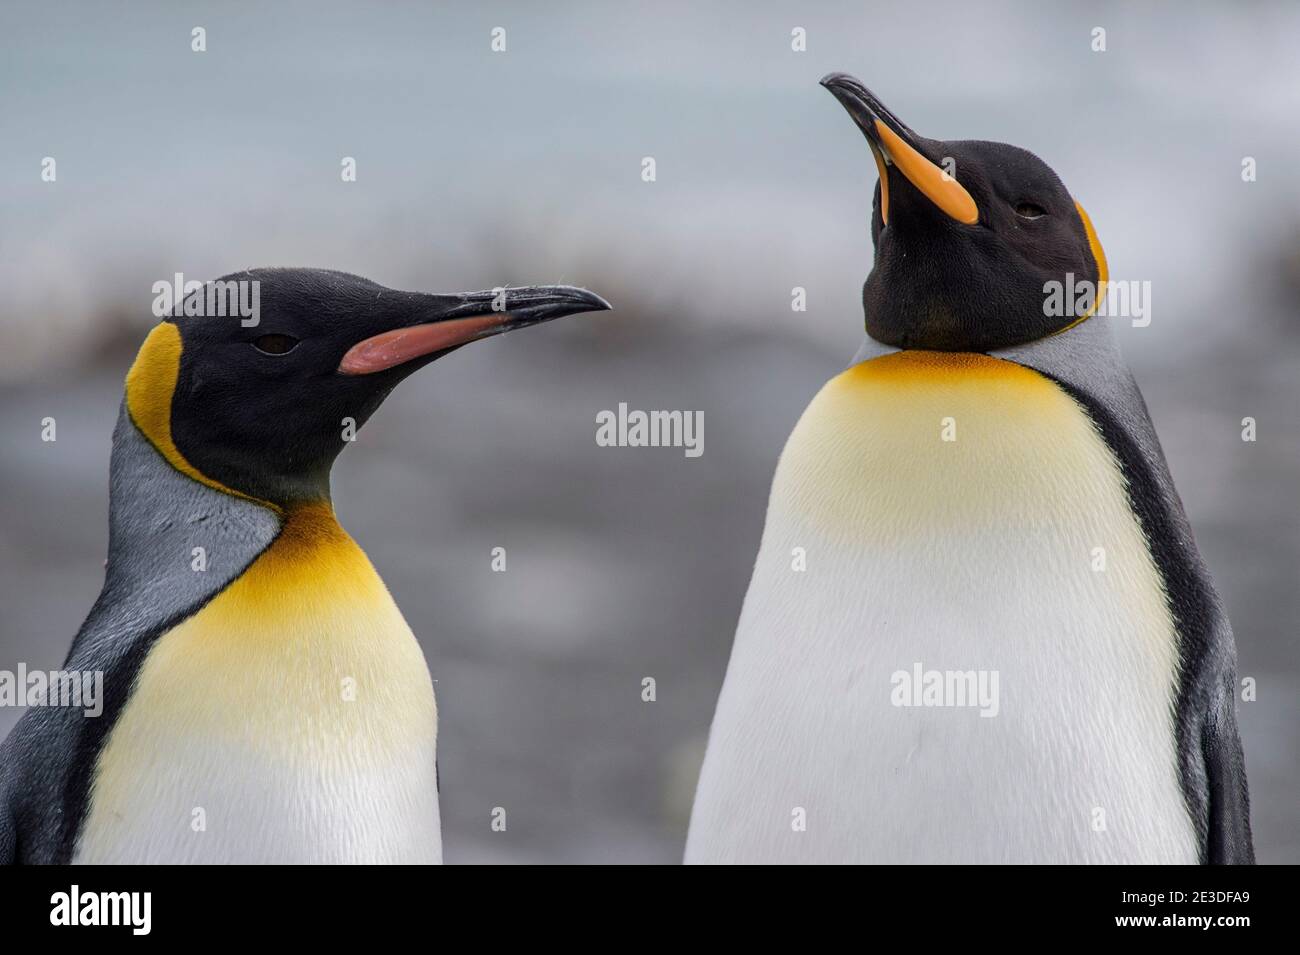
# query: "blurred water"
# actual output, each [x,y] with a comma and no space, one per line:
[479,169]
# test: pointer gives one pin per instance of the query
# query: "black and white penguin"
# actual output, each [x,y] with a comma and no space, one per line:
[978,629]
[267,703]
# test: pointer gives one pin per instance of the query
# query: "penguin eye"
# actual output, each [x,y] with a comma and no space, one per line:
[275,344]
[1029,210]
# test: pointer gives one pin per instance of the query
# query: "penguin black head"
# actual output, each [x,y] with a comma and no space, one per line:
[967,235]
[260,405]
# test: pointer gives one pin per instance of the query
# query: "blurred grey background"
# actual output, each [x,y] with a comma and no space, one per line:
[478,169]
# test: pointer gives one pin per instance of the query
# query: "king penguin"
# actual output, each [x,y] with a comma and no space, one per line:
[979,503]
[271,705]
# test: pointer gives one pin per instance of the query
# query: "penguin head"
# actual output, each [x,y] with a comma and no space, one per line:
[259,405]
[968,235]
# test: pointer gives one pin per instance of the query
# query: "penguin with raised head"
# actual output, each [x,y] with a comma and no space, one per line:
[996,642]
[263,698]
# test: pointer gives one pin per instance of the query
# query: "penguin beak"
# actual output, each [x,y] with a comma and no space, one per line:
[894,144]
[443,322]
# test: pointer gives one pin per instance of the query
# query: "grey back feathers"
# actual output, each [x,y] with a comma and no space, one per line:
[157,516]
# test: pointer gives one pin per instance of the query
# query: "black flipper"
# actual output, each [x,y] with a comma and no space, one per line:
[157,515]
[1228,840]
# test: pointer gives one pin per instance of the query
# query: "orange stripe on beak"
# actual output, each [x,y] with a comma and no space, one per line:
[941,189]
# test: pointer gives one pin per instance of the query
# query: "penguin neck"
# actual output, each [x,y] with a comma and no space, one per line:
[1091,342]
[166,525]
[289,493]
[310,525]
[144,481]
[176,543]
[135,474]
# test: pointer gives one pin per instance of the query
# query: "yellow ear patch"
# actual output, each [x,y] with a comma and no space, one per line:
[150,386]
[1098,255]
[1103,272]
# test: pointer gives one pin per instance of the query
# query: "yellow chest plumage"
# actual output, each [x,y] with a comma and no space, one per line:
[943,441]
[294,715]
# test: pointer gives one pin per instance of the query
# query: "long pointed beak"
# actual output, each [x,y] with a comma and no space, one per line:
[437,323]
[893,143]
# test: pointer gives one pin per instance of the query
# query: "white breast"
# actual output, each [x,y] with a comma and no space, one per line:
[970,555]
